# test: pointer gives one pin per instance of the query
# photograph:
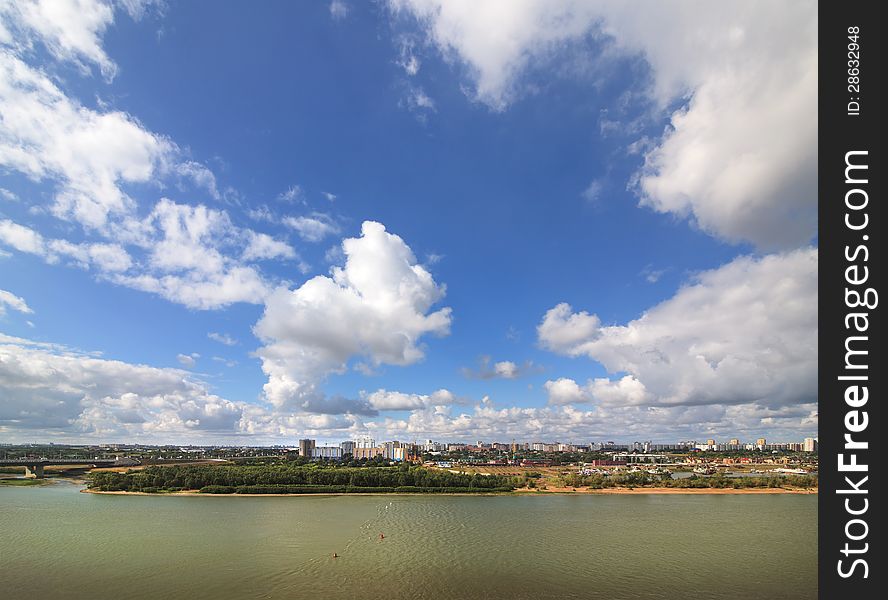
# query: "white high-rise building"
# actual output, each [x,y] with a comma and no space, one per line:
[326,452]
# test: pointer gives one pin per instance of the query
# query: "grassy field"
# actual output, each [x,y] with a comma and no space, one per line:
[22,482]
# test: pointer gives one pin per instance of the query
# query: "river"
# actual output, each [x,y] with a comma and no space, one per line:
[58,543]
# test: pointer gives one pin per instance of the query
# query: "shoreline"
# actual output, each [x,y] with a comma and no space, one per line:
[526,492]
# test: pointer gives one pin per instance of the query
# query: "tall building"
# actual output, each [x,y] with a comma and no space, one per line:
[347,447]
[305,447]
[810,445]
[761,443]
[710,442]
[326,452]
[365,442]
[367,452]
[734,442]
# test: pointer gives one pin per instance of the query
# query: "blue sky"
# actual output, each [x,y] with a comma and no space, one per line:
[528,220]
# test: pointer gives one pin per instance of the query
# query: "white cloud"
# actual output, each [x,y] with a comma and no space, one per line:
[568,423]
[187,254]
[261,213]
[106,257]
[23,239]
[67,394]
[376,306]
[186,360]
[652,275]
[262,246]
[200,175]
[504,369]
[418,100]
[565,391]
[625,391]
[71,31]
[743,333]
[408,60]
[338,10]
[292,195]
[592,193]
[46,135]
[17,303]
[57,389]
[222,338]
[313,228]
[390,400]
[562,329]
[193,255]
[739,158]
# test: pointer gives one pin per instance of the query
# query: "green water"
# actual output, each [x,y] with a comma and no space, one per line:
[58,543]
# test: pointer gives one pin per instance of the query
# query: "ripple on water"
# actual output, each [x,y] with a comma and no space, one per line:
[71,545]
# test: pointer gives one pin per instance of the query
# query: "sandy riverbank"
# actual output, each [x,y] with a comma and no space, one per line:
[670,490]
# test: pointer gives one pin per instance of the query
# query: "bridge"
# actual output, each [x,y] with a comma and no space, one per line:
[34,466]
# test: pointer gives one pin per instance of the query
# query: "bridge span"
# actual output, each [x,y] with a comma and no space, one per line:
[34,466]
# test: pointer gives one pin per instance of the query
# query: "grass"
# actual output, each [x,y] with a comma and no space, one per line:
[22,482]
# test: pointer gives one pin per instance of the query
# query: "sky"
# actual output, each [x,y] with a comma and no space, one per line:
[248,223]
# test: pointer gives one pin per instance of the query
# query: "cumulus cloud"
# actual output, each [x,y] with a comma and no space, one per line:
[738,158]
[627,390]
[377,307]
[390,400]
[68,394]
[17,303]
[743,333]
[568,423]
[59,389]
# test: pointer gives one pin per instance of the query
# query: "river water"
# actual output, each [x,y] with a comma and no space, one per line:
[58,543]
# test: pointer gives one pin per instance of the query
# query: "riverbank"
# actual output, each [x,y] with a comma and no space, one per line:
[524,491]
[671,490]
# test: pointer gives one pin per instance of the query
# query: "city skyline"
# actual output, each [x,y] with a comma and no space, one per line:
[377,219]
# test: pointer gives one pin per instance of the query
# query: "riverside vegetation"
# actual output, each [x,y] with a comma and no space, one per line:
[296,479]
[330,479]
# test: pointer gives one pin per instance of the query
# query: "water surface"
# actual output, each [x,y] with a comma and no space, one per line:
[58,543]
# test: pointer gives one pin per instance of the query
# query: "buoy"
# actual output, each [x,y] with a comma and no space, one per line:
[381,536]
[335,555]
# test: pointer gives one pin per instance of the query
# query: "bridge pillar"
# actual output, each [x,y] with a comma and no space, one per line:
[34,471]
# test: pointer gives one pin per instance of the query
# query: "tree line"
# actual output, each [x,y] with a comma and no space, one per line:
[719,481]
[198,477]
